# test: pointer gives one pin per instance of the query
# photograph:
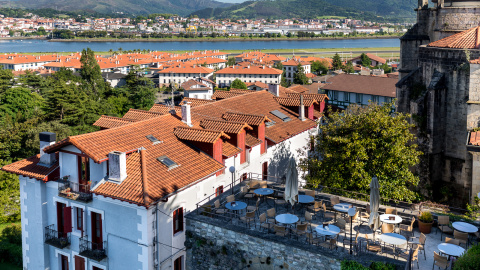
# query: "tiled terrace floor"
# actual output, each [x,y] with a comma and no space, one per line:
[361,225]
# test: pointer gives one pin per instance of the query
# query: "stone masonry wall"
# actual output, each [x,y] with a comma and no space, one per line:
[214,244]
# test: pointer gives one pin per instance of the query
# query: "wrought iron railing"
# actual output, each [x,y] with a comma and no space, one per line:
[56,238]
[91,250]
[75,191]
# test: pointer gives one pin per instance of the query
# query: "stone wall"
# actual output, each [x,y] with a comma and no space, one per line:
[215,244]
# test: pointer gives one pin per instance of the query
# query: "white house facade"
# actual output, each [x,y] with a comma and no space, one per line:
[248,74]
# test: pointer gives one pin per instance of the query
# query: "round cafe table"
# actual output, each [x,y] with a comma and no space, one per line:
[329,230]
[341,207]
[305,199]
[286,218]
[394,239]
[386,218]
[263,192]
[236,206]
[464,227]
[451,249]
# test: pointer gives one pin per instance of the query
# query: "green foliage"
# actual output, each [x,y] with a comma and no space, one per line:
[231,61]
[366,61]
[362,142]
[349,68]
[473,209]
[11,244]
[238,84]
[354,265]
[426,217]
[470,260]
[320,67]
[337,62]
[300,77]
[386,68]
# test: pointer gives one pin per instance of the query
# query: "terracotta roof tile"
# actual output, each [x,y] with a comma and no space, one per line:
[318,97]
[292,101]
[372,57]
[229,149]
[111,122]
[164,109]
[198,134]
[474,138]
[250,119]
[29,167]
[196,101]
[298,88]
[225,126]
[369,85]
[251,141]
[135,114]
[469,39]
[249,70]
[241,90]
[225,94]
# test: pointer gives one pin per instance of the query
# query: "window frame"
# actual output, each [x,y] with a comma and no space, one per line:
[178,220]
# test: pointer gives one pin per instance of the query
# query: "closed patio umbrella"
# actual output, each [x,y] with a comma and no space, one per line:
[374,204]
[291,185]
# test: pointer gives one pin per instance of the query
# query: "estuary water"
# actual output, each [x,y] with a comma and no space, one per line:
[30,46]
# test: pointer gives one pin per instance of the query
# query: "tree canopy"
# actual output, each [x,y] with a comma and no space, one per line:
[337,62]
[349,67]
[238,84]
[320,67]
[366,61]
[299,77]
[360,143]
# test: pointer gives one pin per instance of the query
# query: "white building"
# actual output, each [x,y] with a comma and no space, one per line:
[183,73]
[268,75]
[197,89]
[115,199]
[291,66]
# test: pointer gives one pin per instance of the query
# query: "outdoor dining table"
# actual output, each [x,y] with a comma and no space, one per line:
[464,227]
[286,219]
[341,207]
[328,230]
[263,192]
[386,219]
[394,239]
[451,249]
[236,206]
[304,200]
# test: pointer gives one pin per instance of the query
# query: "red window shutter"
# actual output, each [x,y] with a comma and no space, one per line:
[79,263]
[175,221]
[180,220]
[67,219]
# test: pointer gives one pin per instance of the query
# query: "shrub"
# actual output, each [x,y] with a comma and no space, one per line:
[382,266]
[12,234]
[470,260]
[426,217]
[352,265]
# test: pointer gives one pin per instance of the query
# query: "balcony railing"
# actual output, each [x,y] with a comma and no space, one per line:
[94,251]
[56,238]
[75,191]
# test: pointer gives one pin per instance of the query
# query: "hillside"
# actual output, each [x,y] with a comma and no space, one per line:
[359,9]
[180,7]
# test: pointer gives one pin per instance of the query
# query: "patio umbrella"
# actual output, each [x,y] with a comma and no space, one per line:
[374,204]
[291,184]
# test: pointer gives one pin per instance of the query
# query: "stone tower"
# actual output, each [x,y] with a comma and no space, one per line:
[437,86]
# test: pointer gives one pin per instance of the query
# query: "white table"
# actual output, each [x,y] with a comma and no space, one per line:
[286,218]
[236,206]
[329,230]
[464,227]
[342,207]
[394,239]
[305,199]
[385,218]
[451,249]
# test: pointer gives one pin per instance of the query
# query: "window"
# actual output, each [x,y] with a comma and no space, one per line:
[218,191]
[79,263]
[64,219]
[97,231]
[265,170]
[83,170]
[359,98]
[64,262]
[346,96]
[79,216]
[178,220]
[177,264]
[244,177]
[375,99]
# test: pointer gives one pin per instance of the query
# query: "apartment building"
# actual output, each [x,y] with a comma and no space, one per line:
[116,198]
[291,66]
[183,73]
[248,74]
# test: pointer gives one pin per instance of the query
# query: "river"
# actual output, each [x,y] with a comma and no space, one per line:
[29,46]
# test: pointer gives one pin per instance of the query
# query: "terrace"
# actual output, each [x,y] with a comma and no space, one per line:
[262,217]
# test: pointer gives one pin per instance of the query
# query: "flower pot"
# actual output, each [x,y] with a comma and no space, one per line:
[424,228]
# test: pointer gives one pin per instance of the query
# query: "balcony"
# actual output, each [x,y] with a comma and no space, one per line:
[94,251]
[56,238]
[75,191]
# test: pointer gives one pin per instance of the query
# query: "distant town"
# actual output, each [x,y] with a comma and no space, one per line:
[192,27]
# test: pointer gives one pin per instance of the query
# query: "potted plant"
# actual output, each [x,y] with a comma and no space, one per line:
[425,222]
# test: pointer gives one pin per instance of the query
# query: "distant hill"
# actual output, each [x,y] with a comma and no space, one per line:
[180,7]
[278,9]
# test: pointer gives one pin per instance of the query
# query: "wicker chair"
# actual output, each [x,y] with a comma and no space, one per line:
[366,214]
[408,229]
[405,253]
[330,244]
[444,226]
[372,245]
[264,224]
[280,230]
[326,214]
[247,195]
[231,198]
[271,213]
[316,207]
[310,193]
[254,208]
[421,243]
[440,261]
[449,240]
[461,237]
[300,230]
[248,219]
[391,211]
[218,210]
[311,239]
[387,228]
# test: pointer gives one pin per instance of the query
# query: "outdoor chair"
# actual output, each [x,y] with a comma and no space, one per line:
[311,239]
[254,184]
[254,208]
[249,218]
[330,244]
[309,219]
[316,207]
[408,229]
[279,194]
[271,213]
[421,243]
[310,193]
[444,226]
[391,211]
[452,241]
[280,230]
[280,202]
[264,224]
[461,237]
[341,223]
[405,253]
[387,228]
[230,198]
[440,261]
[366,214]
[300,230]
[247,194]
[326,214]
[218,210]
[372,245]
[334,200]
[355,245]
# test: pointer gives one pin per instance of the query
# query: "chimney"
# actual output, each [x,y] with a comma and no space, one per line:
[186,116]
[46,139]
[301,112]
[274,89]
[117,166]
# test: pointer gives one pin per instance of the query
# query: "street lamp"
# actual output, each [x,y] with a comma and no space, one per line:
[351,213]
[232,170]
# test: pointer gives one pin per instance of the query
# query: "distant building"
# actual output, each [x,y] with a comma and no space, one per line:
[196,89]
[291,67]
[250,74]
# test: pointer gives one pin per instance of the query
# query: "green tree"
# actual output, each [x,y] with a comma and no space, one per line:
[91,73]
[470,260]
[238,84]
[20,103]
[283,81]
[231,61]
[362,142]
[299,76]
[386,68]
[320,67]
[349,68]
[366,61]
[337,62]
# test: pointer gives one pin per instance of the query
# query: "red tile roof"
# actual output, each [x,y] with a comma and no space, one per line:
[469,39]
[298,88]
[196,101]
[136,114]
[318,97]
[372,57]
[251,141]
[29,167]
[251,119]
[369,85]
[229,149]
[164,109]
[292,101]
[198,134]
[249,70]
[225,94]
[474,138]
[111,122]
[225,126]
